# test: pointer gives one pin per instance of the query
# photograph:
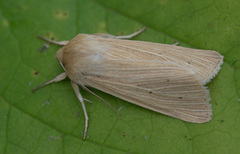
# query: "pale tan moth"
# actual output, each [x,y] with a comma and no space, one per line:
[164,78]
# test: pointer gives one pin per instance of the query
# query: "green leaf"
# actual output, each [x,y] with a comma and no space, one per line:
[51,119]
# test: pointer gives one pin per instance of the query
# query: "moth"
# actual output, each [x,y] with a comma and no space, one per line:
[168,79]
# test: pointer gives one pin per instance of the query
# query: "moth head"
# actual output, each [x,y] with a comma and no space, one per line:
[59,56]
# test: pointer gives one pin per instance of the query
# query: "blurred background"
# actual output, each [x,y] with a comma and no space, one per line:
[51,119]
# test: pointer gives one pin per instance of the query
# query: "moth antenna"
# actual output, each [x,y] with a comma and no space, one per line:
[60,77]
[61,43]
[87,100]
[85,88]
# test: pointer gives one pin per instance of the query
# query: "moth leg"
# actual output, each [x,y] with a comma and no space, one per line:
[176,44]
[81,99]
[104,35]
[61,43]
[121,37]
[130,35]
[60,77]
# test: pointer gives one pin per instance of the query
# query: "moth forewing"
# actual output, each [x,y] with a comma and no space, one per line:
[205,63]
[162,87]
